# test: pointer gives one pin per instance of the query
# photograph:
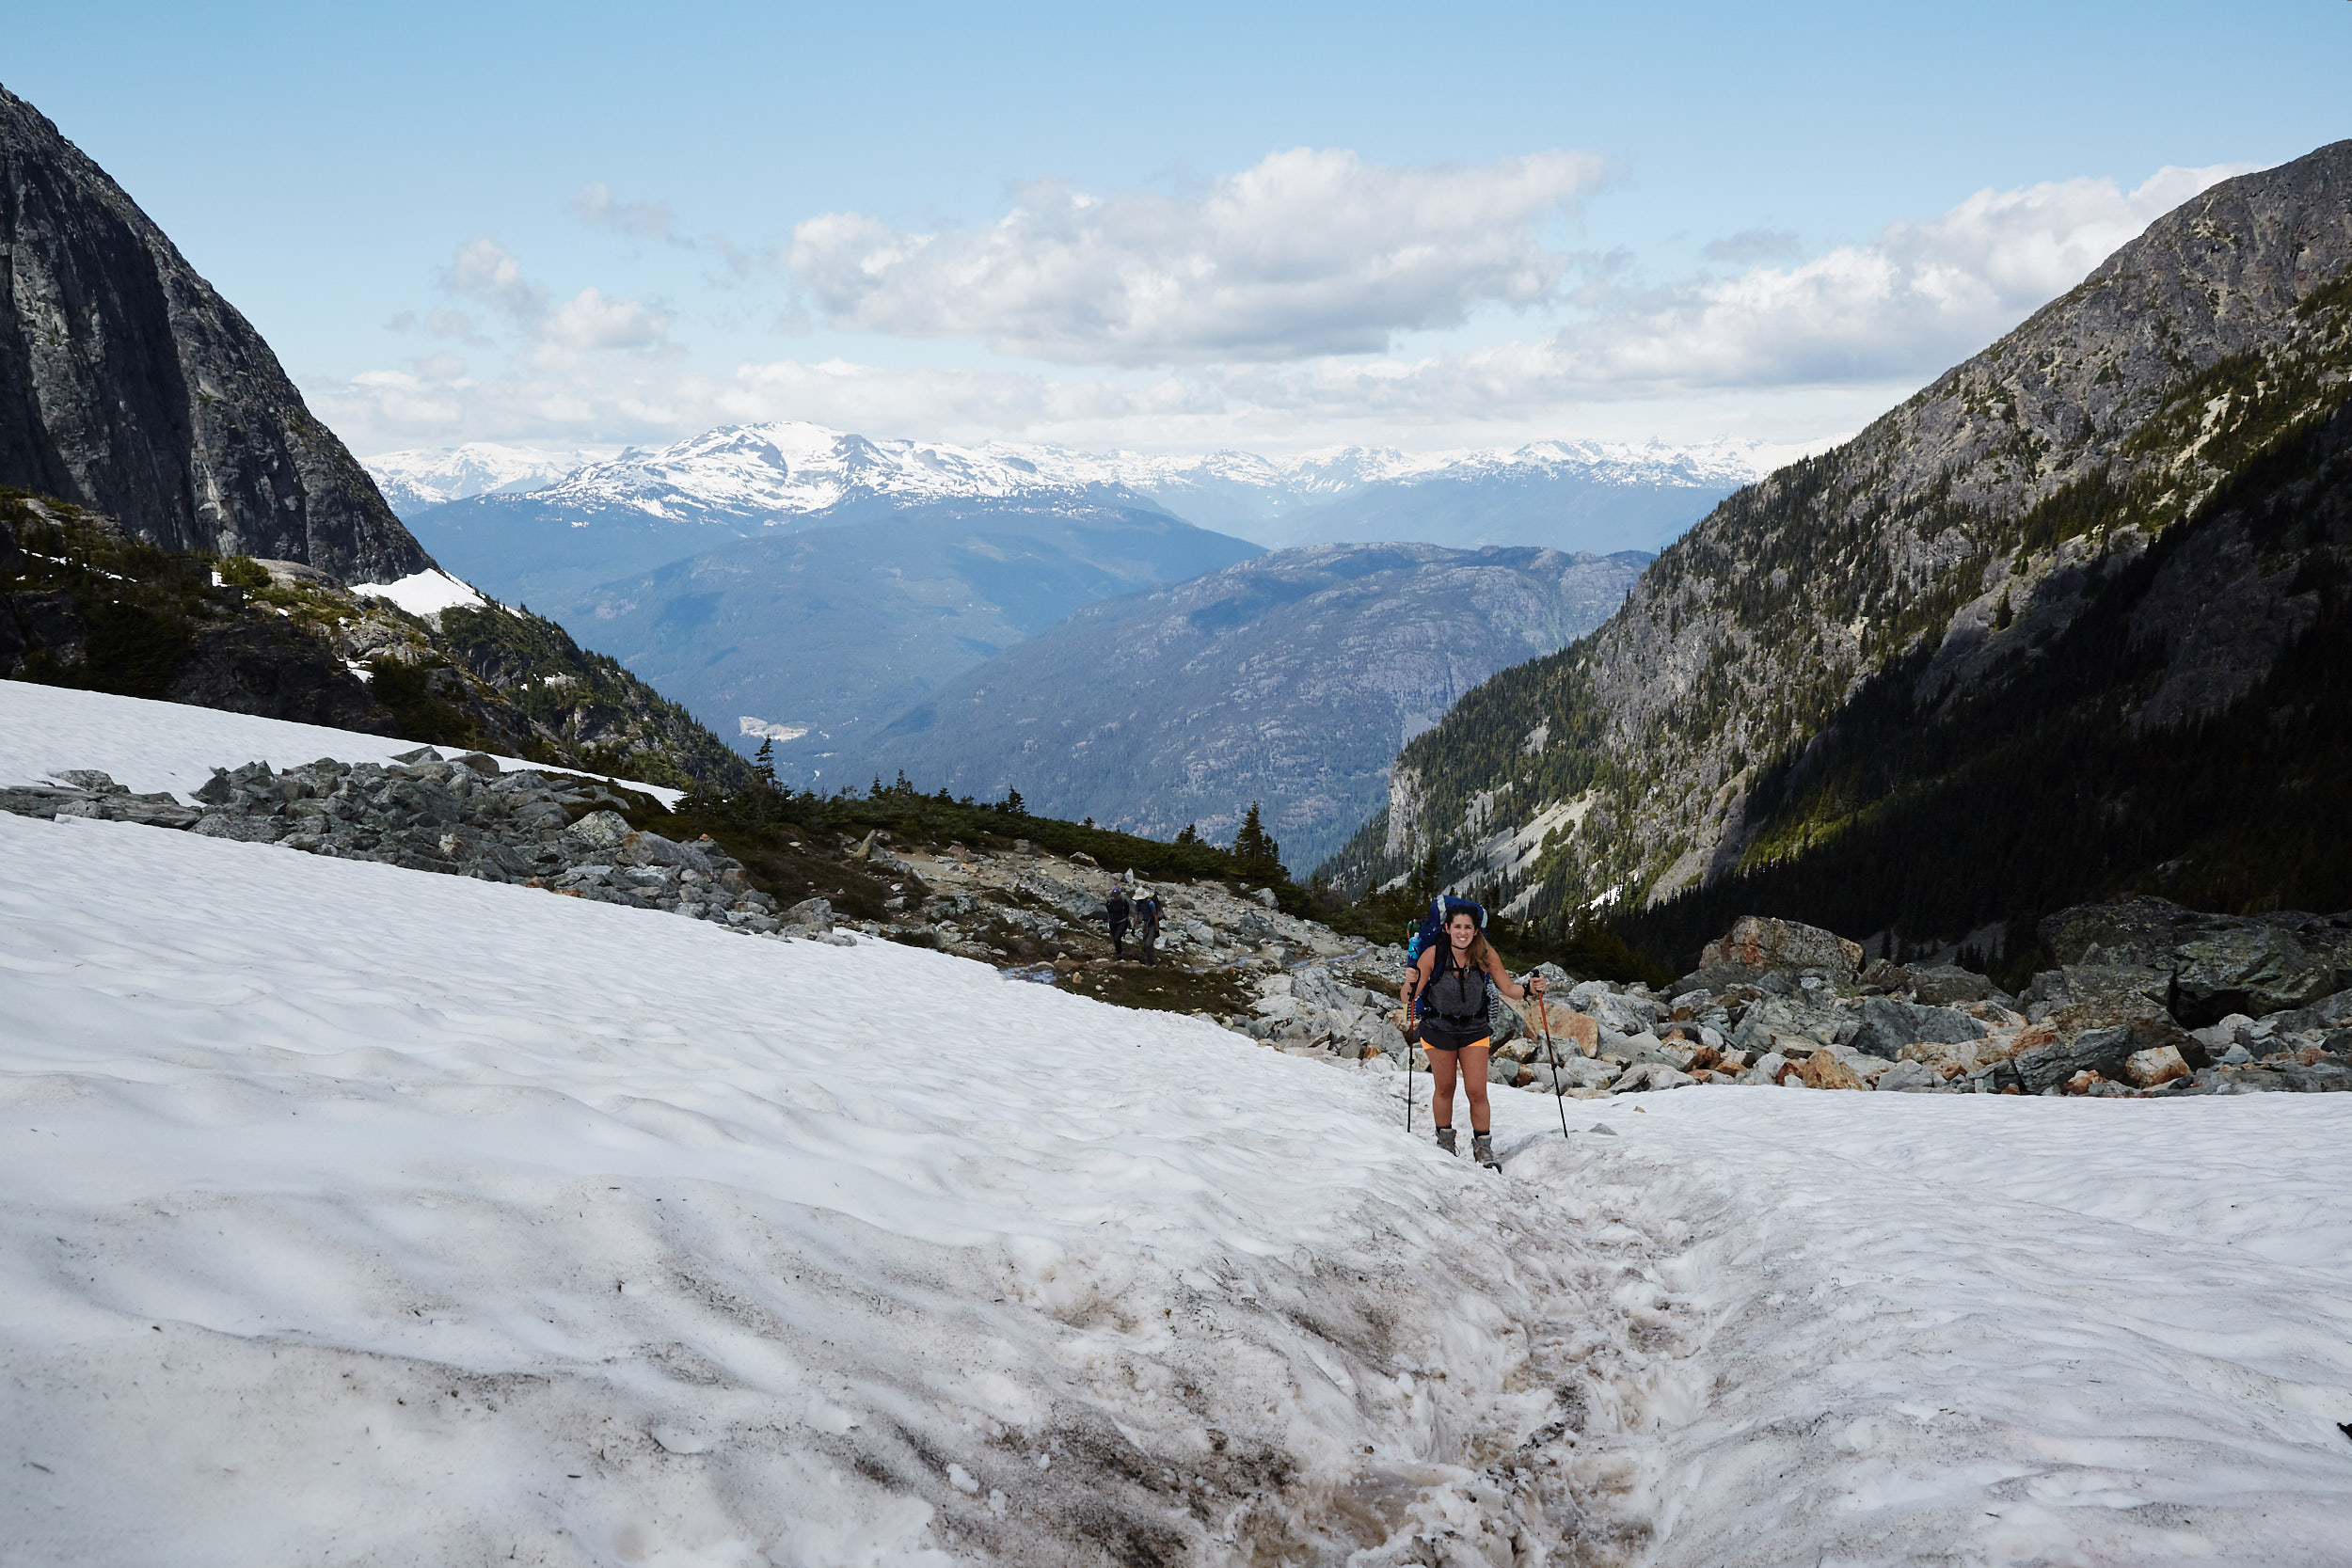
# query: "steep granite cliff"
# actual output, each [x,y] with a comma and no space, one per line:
[129,387]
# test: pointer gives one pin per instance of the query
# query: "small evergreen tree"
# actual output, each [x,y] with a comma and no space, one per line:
[1259,854]
[765,761]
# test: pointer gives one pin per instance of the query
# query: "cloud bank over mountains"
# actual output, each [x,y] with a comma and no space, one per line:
[1312,299]
[1308,253]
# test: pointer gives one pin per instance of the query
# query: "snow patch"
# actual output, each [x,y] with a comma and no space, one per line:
[747,724]
[427,593]
[149,746]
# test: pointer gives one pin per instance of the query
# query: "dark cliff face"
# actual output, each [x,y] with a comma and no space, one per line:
[129,387]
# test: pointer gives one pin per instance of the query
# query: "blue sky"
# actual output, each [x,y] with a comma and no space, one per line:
[1273,226]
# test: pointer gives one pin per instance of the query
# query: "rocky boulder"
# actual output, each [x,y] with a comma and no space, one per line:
[2213,964]
[1788,1025]
[1888,1026]
[1756,945]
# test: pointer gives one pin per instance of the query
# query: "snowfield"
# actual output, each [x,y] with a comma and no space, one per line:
[356,1214]
[148,746]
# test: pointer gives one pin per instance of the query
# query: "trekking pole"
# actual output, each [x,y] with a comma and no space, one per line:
[1559,1090]
[1408,1066]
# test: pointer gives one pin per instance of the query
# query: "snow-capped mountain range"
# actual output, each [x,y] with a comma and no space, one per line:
[417,481]
[784,469]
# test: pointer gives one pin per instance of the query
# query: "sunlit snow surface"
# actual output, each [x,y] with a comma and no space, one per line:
[148,746]
[351,1213]
[426,592]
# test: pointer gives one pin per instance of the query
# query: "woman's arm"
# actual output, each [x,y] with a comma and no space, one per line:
[1504,982]
[1416,975]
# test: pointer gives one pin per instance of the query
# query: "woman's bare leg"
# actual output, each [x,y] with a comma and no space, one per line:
[1441,1082]
[1474,1080]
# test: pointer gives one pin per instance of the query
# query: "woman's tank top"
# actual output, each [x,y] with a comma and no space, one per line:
[1457,993]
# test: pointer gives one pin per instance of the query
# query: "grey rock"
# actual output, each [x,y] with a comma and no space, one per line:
[2102,1051]
[600,830]
[2213,964]
[245,829]
[1906,1075]
[816,912]
[1756,945]
[90,780]
[1887,1025]
[1944,985]
[1651,1075]
[1787,1025]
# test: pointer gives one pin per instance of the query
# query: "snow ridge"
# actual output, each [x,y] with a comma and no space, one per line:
[792,467]
[414,480]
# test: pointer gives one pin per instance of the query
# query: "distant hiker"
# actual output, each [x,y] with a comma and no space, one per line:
[1121,914]
[1451,977]
[1148,926]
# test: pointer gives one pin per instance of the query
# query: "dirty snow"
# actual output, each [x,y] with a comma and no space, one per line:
[350,1213]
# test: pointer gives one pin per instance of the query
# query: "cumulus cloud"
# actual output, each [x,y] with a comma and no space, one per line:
[1920,296]
[590,321]
[1841,335]
[1309,252]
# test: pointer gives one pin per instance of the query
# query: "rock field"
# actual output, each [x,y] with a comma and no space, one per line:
[1772,1003]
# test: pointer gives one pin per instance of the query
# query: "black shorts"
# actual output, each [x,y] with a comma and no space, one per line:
[1438,1033]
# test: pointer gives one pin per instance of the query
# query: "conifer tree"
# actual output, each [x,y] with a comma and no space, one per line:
[1259,854]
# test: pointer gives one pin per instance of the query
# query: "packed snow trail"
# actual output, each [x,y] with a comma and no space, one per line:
[1987,1329]
[351,1213]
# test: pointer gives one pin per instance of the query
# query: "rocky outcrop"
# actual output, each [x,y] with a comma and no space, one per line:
[87,608]
[2206,966]
[129,387]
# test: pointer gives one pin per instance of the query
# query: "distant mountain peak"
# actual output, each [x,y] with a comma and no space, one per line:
[786,470]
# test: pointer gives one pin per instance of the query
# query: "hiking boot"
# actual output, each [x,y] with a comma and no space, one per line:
[1445,1140]
[1483,1148]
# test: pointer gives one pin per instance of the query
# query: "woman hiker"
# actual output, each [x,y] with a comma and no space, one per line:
[1453,974]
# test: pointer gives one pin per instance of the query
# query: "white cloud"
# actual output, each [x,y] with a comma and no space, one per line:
[483,270]
[591,319]
[1779,351]
[1309,252]
[1920,297]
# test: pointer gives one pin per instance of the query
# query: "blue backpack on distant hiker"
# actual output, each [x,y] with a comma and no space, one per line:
[1442,909]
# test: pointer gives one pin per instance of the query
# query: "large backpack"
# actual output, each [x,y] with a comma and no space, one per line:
[1432,933]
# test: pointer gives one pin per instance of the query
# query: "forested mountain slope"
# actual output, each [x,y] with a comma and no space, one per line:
[1289,680]
[1937,560]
